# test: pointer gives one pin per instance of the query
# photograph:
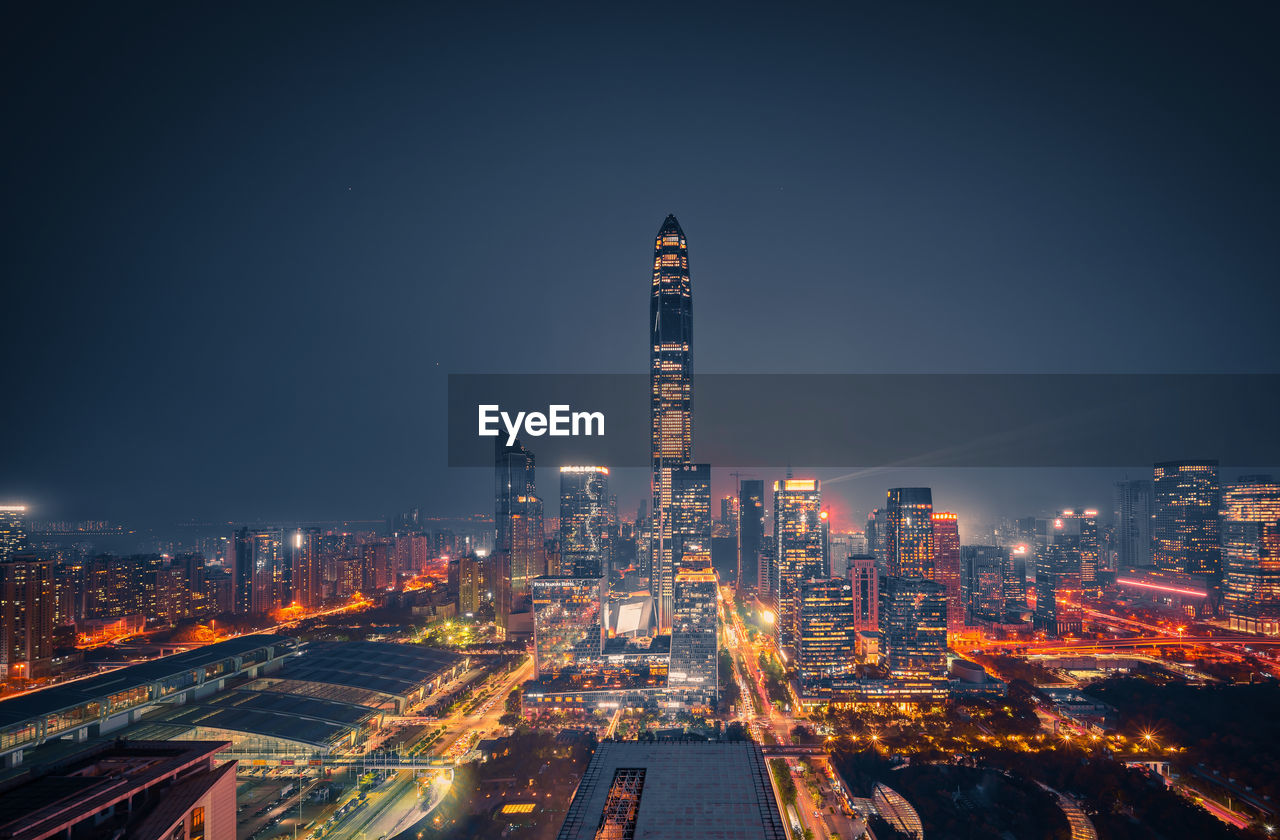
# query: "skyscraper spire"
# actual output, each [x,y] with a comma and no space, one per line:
[671,395]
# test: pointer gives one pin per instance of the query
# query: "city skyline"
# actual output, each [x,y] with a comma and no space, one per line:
[977,166]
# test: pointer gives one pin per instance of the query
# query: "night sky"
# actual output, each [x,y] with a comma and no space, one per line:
[244,245]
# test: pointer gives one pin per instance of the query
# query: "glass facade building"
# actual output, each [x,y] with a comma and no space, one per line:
[586,529]
[908,537]
[568,622]
[1251,549]
[1186,530]
[946,567]
[827,636]
[694,632]
[913,619]
[671,396]
[798,537]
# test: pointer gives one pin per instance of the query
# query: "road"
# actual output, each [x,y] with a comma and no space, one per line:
[398,806]
[823,816]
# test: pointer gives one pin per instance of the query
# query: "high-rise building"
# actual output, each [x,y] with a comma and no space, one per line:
[877,525]
[568,622]
[694,651]
[797,533]
[983,580]
[26,616]
[1015,581]
[908,537]
[827,635]
[690,512]
[258,570]
[1133,505]
[1058,585]
[864,575]
[946,567]
[519,540]
[913,618]
[671,396]
[751,536]
[585,529]
[1251,553]
[1186,529]
[307,579]
[13,537]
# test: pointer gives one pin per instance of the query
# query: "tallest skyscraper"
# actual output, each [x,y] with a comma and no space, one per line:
[671,396]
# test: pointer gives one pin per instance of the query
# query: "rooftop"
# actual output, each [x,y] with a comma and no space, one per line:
[698,789]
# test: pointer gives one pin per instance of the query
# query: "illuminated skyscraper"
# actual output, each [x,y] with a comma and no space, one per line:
[797,532]
[568,622]
[12,535]
[1186,532]
[258,570]
[1251,553]
[671,396]
[908,537]
[1015,581]
[983,578]
[864,575]
[751,536]
[1132,505]
[585,529]
[827,632]
[306,579]
[690,512]
[913,618]
[693,633]
[946,567]
[519,547]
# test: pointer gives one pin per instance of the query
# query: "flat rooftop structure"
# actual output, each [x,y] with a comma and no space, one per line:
[106,701]
[76,795]
[704,789]
[305,720]
[407,672]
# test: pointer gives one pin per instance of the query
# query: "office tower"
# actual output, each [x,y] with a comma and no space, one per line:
[585,546]
[568,622]
[257,565]
[695,625]
[913,618]
[727,526]
[1185,531]
[908,532]
[877,525]
[13,537]
[983,580]
[827,632]
[26,616]
[1251,551]
[1015,581]
[864,576]
[841,545]
[517,520]
[1133,504]
[797,533]
[690,511]
[1058,584]
[751,536]
[946,567]
[671,396]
